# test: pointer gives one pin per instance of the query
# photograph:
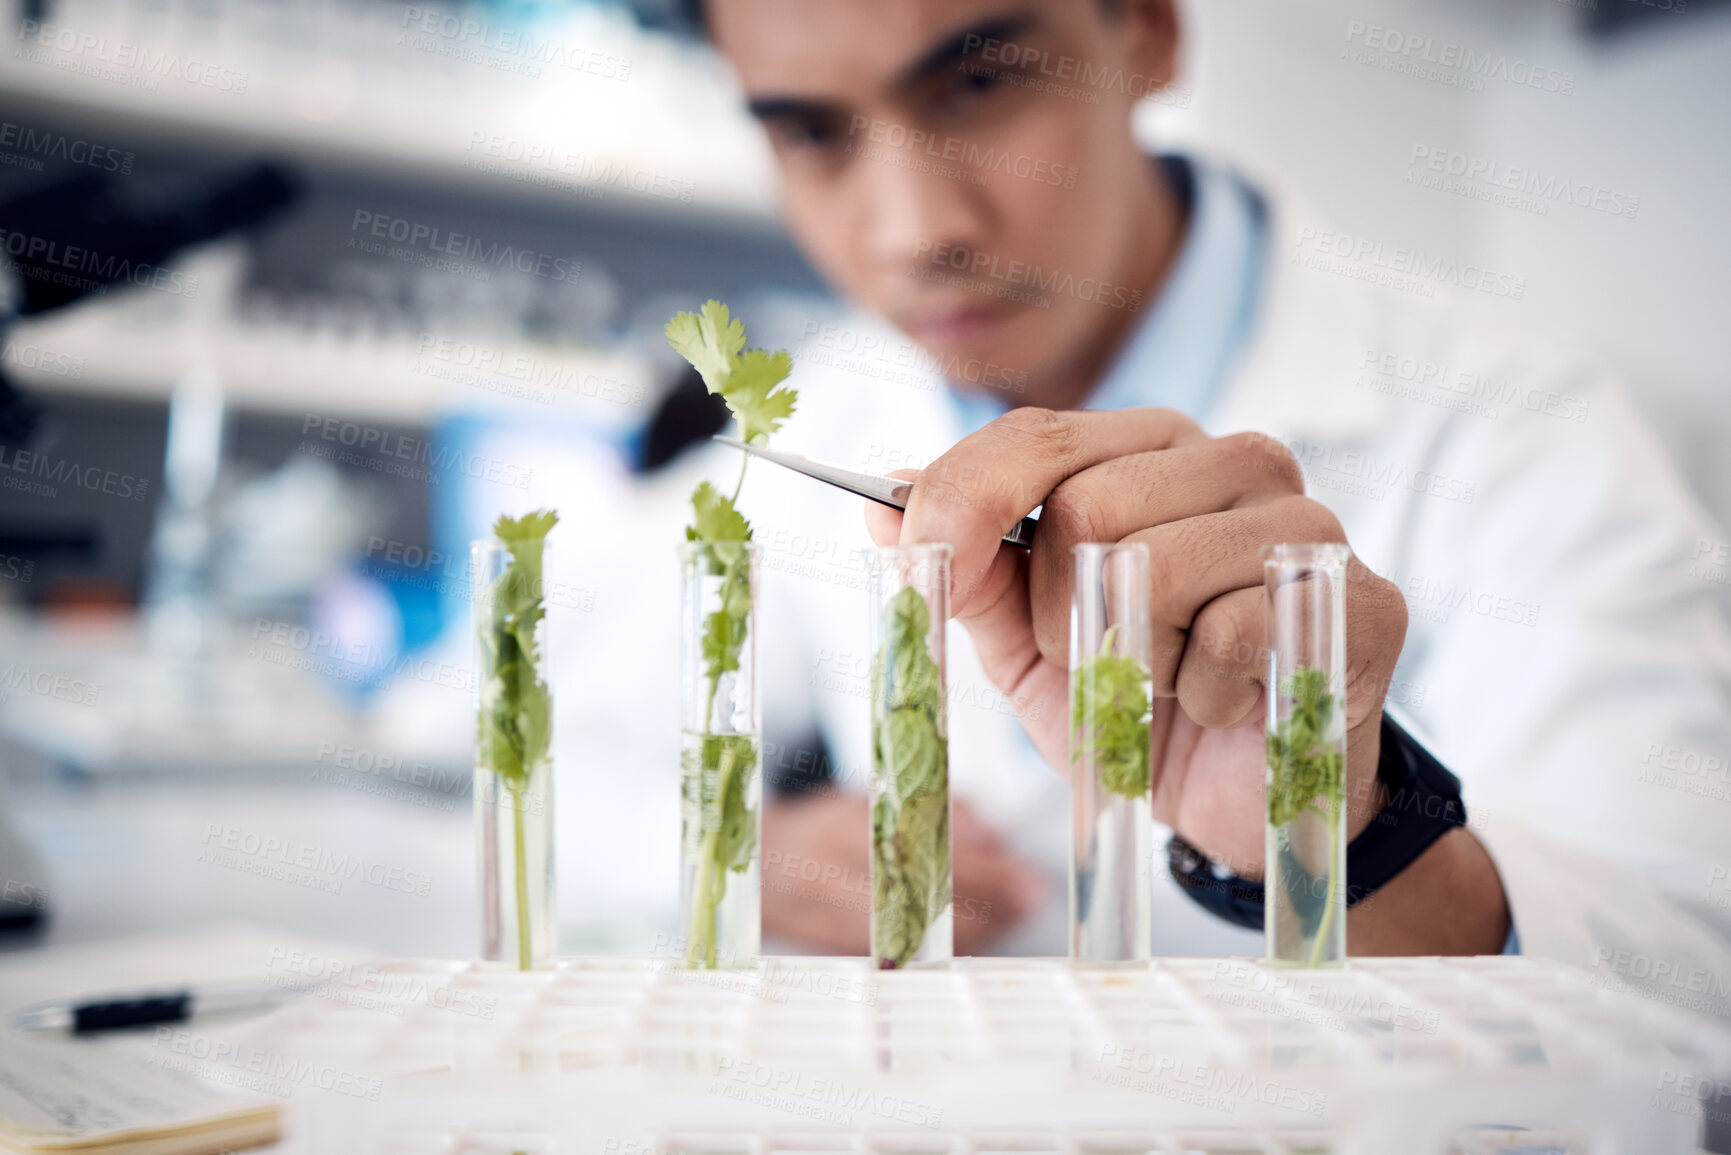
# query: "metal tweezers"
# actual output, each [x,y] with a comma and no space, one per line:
[883,490]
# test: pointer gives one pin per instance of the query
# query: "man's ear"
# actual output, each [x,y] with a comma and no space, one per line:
[1153,29]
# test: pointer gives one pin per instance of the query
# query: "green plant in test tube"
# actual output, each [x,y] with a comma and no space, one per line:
[721,773]
[1307,774]
[514,719]
[1109,705]
[1305,747]
[911,875]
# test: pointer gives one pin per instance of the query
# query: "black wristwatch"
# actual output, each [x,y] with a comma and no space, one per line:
[1424,803]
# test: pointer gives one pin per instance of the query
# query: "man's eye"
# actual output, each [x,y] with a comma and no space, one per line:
[808,134]
[978,78]
[974,83]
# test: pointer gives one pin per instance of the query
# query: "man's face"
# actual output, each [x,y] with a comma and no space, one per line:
[964,167]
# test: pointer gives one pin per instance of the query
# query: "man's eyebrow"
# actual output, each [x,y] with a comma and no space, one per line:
[958,46]
[789,107]
[945,54]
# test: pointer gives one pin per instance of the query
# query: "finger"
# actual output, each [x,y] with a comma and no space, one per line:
[999,623]
[977,491]
[1113,499]
[884,522]
[1194,561]
[1223,668]
[1376,621]
[1117,498]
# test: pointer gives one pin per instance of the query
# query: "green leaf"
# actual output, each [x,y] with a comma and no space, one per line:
[714,519]
[1301,766]
[746,379]
[514,724]
[1110,716]
[910,820]
[751,394]
[709,340]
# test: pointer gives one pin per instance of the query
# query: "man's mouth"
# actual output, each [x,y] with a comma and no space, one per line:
[955,326]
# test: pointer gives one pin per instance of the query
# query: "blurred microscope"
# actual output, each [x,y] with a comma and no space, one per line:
[49,231]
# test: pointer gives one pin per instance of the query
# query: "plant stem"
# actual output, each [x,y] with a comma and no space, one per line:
[523,948]
[1333,820]
[744,460]
[700,935]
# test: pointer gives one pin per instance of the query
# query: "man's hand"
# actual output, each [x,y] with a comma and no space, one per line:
[1205,507]
[817,876]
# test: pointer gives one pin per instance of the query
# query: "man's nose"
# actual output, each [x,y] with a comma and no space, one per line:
[913,213]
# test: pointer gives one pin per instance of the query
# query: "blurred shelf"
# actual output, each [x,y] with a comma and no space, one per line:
[138,347]
[588,106]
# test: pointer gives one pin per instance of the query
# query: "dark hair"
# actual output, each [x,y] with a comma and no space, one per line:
[691,11]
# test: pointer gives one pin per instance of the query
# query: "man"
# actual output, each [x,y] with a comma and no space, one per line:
[1098,315]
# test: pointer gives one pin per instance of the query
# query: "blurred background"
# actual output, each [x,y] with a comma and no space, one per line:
[370,273]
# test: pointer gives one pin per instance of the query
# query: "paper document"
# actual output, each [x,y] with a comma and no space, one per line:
[87,1097]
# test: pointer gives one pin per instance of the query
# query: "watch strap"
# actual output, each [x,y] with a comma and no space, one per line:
[1424,803]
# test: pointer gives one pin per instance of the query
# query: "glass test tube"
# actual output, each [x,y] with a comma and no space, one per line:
[1111,698]
[513,754]
[912,916]
[1305,908]
[720,758]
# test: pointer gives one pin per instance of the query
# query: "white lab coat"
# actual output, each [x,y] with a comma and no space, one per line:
[1568,655]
